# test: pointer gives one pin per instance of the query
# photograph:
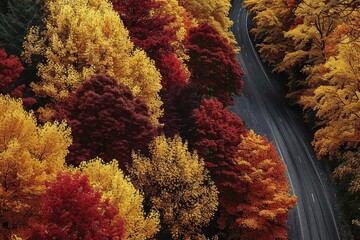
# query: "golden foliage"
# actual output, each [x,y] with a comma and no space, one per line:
[213,12]
[309,39]
[145,83]
[292,60]
[29,156]
[270,22]
[337,102]
[115,186]
[178,185]
[85,37]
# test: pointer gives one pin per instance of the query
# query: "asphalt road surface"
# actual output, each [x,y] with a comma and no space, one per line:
[264,109]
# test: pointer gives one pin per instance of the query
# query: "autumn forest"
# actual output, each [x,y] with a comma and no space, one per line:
[115,120]
[316,45]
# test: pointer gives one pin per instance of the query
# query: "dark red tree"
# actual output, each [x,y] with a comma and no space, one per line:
[217,133]
[73,210]
[213,64]
[155,33]
[216,136]
[178,108]
[151,31]
[147,28]
[108,122]
[10,71]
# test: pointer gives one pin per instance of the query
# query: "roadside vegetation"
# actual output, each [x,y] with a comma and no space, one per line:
[316,43]
[114,124]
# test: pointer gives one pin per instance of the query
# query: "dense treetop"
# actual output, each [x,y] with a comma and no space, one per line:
[114,124]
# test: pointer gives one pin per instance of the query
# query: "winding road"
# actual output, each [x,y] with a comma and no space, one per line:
[264,109]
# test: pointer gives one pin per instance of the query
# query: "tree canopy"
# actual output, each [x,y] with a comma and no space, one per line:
[72,209]
[107,122]
[82,38]
[30,154]
[213,64]
[178,186]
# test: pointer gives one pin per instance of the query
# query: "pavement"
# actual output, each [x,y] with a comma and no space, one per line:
[264,109]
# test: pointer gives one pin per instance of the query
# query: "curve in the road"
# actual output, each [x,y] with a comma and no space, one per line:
[314,217]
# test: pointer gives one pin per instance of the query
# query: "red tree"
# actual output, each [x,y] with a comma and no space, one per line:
[155,34]
[107,122]
[216,136]
[178,107]
[254,196]
[174,76]
[73,210]
[147,28]
[217,133]
[10,71]
[174,83]
[213,64]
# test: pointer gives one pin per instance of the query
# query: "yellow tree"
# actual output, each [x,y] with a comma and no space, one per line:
[115,186]
[213,12]
[316,22]
[337,102]
[177,184]
[271,19]
[145,83]
[29,155]
[82,38]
